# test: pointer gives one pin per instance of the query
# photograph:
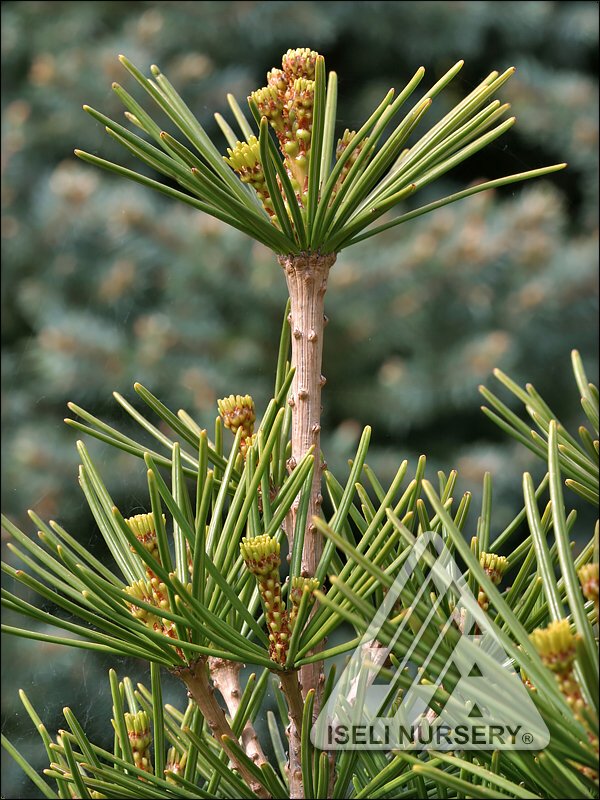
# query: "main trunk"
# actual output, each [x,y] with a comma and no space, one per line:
[306,275]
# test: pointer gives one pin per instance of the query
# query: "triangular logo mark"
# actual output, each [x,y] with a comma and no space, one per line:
[475,671]
[485,704]
[476,711]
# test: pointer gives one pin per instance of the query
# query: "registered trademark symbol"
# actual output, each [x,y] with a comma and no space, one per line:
[527,738]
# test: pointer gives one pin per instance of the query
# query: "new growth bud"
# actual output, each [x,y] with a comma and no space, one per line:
[269,101]
[142,590]
[238,411]
[299,131]
[343,143]
[140,738]
[556,645]
[299,63]
[277,80]
[588,577]
[287,102]
[298,588]
[244,158]
[495,566]
[144,530]
[175,763]
[153,592]
[262,557]
[341,147]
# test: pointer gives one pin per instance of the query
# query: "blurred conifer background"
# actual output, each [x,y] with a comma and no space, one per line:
[104,283]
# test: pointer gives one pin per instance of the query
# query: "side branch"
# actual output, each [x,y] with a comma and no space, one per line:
[226,679]
[195,677]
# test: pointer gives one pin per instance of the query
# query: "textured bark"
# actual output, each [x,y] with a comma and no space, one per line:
[306,275]
[226,679]
[291,689]
[195,677]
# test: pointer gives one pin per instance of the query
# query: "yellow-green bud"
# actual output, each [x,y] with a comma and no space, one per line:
[556,645]
[270,105]
[153,592]
[144,530]
[246,444]
[343,143]
[175,763]
[238,411]
[304,93]
[300,63]
[261,555]
[300,117]
[142,590]
[277,80]
[242,153]
[494,565]
[140,738]
[301,585]
[588,577]
[138,728]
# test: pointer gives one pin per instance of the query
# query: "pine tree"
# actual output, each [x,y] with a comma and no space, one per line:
[215,598]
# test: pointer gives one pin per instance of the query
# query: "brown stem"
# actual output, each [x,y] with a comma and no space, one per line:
[195,677]
[291,689]
[306,275]
[226,679]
